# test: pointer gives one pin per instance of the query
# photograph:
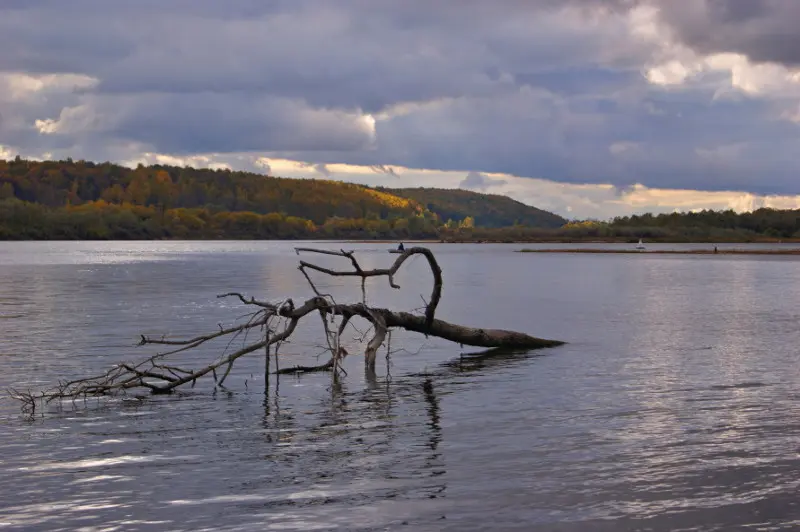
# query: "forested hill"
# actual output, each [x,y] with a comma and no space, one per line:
[488,210]
[79,199]
[58,183]
[83,200]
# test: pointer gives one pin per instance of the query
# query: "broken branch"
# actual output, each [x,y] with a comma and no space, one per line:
[278,322]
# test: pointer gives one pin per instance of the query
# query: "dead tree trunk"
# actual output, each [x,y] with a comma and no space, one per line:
[277,322]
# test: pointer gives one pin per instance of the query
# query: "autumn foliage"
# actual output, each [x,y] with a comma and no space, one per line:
[88,201]
[84,200]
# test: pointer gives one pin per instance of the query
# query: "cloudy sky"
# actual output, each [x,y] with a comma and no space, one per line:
[589,108]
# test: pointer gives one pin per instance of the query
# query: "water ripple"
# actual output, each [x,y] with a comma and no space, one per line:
[673,407]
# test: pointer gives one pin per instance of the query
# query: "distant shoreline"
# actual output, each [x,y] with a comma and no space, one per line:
[669,251]
[574,242]
[394,242]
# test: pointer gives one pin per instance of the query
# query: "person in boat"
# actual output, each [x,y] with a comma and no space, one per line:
[401,247]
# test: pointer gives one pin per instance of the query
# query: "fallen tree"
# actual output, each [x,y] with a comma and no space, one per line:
[276,322]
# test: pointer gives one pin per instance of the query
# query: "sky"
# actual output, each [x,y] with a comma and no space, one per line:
[587,108]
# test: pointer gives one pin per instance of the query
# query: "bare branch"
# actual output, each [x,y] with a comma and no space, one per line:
[277,322]
[251,301]
[340,253]
[194,342]
[327,366]
[377,340]
[436,294]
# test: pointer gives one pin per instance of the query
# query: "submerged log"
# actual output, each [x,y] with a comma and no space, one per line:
[277,322]
[466,335]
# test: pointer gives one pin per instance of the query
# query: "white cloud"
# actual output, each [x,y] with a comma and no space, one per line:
[71,120]
[759,80]
[19,86]
[6,152]
[672,72]
[676,64]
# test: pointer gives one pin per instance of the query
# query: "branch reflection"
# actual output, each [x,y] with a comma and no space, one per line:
[382,440]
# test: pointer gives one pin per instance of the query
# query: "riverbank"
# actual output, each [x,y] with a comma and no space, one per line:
[409,241]
[793,251]
[562,241]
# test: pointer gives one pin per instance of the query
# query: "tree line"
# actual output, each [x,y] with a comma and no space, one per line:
[764,224]
[89,201]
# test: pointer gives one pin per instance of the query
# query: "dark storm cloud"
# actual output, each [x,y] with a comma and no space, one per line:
[356,54]
[217,123]
[546,88]
[762,30]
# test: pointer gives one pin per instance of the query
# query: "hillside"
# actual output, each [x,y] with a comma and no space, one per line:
[83,200]
[57,183]
[488,210]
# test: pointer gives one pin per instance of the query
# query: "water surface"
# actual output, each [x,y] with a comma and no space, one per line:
[673,407]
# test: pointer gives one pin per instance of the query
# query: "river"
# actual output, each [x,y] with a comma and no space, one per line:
[673,406]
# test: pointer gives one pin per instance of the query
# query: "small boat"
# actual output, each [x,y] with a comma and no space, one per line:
[640,245]
[396,251]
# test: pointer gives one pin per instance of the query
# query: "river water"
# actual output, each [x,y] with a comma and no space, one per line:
[674,406]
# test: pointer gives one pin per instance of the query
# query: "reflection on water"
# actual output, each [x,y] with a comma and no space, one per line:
[345,448]
[673,407]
